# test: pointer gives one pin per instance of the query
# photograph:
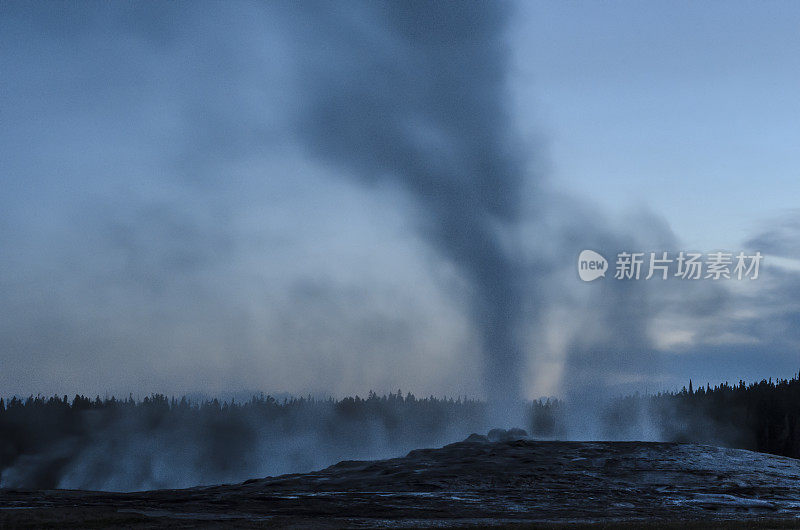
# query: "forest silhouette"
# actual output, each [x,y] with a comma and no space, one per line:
[159,442]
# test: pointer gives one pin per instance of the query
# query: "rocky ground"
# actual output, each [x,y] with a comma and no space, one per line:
[505,480]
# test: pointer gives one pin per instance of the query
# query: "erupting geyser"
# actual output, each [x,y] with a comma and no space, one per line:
[421,103]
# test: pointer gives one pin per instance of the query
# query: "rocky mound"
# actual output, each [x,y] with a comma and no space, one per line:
[484,481]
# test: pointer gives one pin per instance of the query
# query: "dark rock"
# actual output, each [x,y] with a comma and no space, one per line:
[462,484]
[502,435]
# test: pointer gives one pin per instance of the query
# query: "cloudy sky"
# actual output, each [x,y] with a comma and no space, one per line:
[338,197]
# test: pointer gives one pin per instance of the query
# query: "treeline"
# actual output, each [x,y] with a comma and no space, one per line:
[763,416]
[165,442]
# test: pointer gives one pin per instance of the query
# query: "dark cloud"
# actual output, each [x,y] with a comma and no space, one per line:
[779,239]
[775,308]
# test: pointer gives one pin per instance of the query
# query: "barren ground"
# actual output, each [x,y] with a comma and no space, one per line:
[470,483]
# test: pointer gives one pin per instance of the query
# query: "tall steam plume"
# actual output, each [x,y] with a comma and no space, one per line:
[416,96]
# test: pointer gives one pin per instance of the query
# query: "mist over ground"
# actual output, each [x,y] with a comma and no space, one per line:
[156,443]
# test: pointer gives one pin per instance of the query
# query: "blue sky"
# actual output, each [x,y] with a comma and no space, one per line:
[337,198]
[688,108]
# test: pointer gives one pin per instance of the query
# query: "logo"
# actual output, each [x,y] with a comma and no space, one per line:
[591,265]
